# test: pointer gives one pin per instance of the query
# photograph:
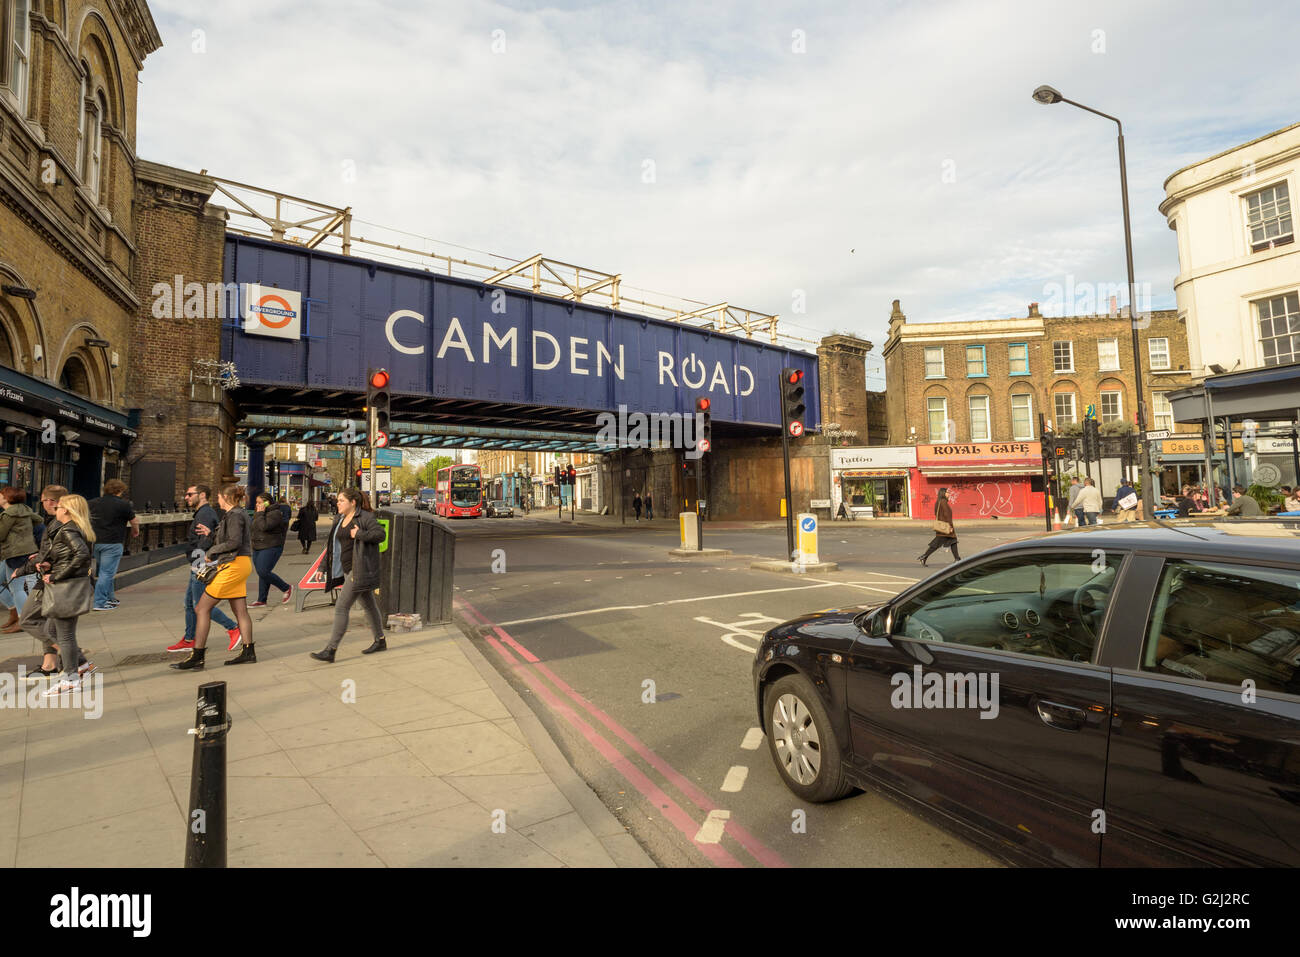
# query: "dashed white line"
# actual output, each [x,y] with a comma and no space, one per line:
[753,739]
[714,824]
[735,779]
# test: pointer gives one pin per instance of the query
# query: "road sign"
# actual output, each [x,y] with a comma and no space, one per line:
[1152,436]
[330,453]
[383,478]
[796,428]
[381,440]
[807,539]
[703,445]
[388,457]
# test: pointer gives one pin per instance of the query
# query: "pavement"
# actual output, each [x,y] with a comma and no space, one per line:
[422,755]
[669,522]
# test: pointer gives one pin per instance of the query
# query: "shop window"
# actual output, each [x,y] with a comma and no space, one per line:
[1018,358]
[979,418]
[1022,417]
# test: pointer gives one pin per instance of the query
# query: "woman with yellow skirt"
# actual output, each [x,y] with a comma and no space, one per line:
[233,546]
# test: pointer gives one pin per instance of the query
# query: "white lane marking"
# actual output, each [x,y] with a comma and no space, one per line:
[753,739]
[736,642]
[742,633]
[714,824]
[735,779]
[656,604]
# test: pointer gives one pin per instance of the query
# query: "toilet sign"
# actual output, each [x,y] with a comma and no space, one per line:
[807,539]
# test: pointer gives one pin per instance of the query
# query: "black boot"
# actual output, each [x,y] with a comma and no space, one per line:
[379,644]
[246,656]
[194,662]
[326,655]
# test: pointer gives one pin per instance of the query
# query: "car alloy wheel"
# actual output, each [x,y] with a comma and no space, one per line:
[798,744]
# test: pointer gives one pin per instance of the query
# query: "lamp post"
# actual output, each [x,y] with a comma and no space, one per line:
[1047,96]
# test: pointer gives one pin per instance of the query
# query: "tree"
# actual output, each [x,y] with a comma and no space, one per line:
[429,474]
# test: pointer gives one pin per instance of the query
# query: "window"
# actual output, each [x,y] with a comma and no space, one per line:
[1063,406]
[976,367]
[1279,328]
[937,410]
[1224,623]
[1018,358]
[19,51]
[1108,355]
[1049,604]
[1162,411]
[979,418]
[1158,353]
[1112,406]
[1268,217]
[1063,356]
[80,158]
[934,363]
[1022,417]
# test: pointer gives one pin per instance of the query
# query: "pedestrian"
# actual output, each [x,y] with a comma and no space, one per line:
[17,544]
[1126,502]
[306,522]
[1089,502]
[649,508]
[636,505]
[353,552]
[269,529]
[63,564]
[196,497]
[231,551]
[945,533]
[110,514]
[1075,489]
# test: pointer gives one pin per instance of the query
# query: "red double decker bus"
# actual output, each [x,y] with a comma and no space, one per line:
[459,492]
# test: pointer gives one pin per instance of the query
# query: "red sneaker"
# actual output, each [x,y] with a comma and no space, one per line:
[185,644]
[235,638]
[287,596]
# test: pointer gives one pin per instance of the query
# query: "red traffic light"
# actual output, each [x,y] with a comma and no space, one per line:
[702,404]
[379,379]
[795,376]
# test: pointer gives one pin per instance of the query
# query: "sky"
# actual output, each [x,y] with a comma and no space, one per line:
[814,161]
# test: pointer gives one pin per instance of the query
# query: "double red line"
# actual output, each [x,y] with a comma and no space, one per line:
[532,672]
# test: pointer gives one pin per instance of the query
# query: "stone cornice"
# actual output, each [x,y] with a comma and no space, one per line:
[136,23]
[175,186]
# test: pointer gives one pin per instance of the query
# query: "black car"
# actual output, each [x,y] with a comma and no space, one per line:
[497,507]
[1108,696]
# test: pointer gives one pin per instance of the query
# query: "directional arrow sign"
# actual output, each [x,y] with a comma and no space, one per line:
[1152,436]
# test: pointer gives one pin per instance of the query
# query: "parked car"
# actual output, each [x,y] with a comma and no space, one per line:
[1117,695]
[497,508]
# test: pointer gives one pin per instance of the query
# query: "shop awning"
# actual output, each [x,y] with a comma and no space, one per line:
[874,473]
[968,470]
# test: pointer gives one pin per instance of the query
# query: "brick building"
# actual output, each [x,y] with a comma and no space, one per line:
[69,253]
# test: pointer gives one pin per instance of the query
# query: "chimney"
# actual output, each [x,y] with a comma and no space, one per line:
[896,318]
[1114,307]
[1033,311]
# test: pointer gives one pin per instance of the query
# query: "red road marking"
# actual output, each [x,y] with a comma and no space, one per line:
[761,852]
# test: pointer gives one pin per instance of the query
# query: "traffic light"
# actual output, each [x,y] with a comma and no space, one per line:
[792,401]
[572,476]
[1091,440]
[377,403]
[704,440]
[559,477]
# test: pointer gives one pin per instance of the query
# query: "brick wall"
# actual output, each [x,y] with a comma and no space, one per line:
[842,374]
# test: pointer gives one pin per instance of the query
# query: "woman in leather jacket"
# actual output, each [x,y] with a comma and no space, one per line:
[269,530]
[352,556]
[64,556]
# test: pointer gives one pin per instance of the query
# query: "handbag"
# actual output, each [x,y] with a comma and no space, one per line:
[211,570]
[941,528]
[294,527]
[70,598]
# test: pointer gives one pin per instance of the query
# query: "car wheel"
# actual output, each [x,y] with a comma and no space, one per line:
[802,742]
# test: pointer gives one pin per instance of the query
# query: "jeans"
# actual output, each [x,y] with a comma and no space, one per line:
[348,595]
[13,592]
[1078,517]
[1091,518]
[65,635]
[192,596]
[264,560]
[107,558]
[649,512]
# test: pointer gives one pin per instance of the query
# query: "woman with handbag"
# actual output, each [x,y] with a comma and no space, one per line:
[231,563]
[269,530]
[65,592]
[353,555]
[306,526]
[945,534]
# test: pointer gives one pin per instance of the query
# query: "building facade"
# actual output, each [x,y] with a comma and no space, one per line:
[1238,283]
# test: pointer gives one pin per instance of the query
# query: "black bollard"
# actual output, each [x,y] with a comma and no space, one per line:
[205,843]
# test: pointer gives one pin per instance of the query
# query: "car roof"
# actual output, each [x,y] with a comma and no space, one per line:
[1266,538]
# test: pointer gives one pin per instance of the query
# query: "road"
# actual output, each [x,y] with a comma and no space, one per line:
[639,665]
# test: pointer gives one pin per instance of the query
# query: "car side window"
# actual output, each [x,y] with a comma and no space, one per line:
[1226,624]
[1049,604]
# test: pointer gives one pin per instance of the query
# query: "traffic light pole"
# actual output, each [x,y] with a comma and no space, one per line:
[699,512]
[370,438]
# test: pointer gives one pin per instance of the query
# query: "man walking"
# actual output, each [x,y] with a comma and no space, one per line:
[196,497]
[1088,503]
[636,505]
[1126,502]
[1073,500]
[649,508]
[110,516]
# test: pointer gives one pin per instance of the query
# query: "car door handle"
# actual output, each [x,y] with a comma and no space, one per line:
[1063,717]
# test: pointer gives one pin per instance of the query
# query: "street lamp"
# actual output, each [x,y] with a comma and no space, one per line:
[1047,96]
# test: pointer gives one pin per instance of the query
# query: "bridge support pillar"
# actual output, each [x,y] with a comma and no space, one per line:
[256,470]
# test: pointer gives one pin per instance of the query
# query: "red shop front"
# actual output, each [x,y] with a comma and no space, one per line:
[984,479]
